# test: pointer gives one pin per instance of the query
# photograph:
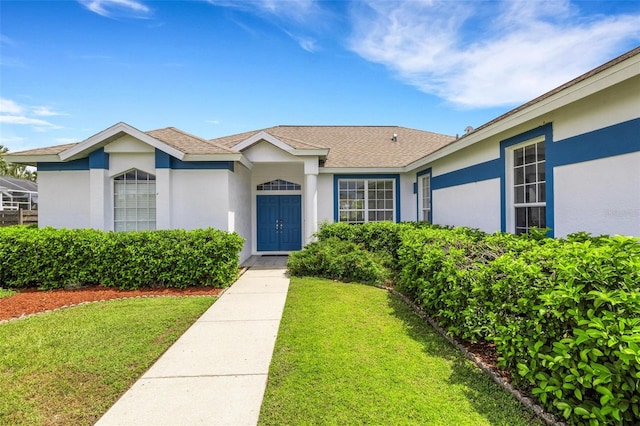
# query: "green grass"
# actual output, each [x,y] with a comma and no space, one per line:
[70,366]
[6,292]
[354,354]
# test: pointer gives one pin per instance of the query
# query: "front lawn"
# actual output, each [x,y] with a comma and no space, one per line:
[354,354]
[68,367]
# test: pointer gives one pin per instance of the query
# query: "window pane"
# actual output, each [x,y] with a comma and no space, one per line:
[530,173]
[542,193]
[518,194]
[518,175]
[521,217]
[541,172]
[530,194]
[518,157]
[536,217]
[530,154]
[540,149]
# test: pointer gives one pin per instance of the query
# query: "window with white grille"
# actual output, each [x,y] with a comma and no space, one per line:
[134,201]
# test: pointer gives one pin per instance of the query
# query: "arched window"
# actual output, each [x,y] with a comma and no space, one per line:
[134,201]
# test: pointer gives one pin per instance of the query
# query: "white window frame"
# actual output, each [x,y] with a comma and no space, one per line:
[366,210]
[510,183]
[145,216]
[424,197]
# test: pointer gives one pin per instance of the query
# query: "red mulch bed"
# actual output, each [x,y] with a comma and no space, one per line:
[32,301]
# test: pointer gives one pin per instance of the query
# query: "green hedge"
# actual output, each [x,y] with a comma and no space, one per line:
[57,258]
[339,260]
[564,313]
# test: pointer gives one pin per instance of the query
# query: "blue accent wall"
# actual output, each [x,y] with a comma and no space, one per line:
[81,164]
[99,159]
[162,160]
[336,194]
[475,173]
[166,161]
[618,139]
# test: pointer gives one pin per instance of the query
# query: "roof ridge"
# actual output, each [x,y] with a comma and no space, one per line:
[175,129]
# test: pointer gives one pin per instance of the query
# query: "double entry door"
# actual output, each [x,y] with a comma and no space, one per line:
[279,222]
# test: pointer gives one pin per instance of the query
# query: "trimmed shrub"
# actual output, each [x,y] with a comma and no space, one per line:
[57,258]
[564,314]
[337,259]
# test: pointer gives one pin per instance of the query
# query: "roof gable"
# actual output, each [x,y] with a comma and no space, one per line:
[111,134]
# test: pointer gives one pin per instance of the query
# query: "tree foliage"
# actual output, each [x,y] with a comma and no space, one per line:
[19,171]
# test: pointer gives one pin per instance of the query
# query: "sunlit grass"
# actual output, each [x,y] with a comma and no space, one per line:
[6,292]
[354,354]
[68,367]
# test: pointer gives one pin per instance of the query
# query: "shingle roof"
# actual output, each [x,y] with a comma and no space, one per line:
[15,184]
[187,143]
[49,150]
[355,146]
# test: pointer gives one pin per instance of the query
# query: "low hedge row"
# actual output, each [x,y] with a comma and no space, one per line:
[60,258]
[564,313]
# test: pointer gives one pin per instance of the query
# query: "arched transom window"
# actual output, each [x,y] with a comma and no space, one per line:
[134,201]
[278,185]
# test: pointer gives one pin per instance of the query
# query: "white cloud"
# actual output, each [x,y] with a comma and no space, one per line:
[21,119]
[296,18]
[45,111]
[212,121]
[297,10]
[117,8]
[474,56]
[7,106]
[13,113]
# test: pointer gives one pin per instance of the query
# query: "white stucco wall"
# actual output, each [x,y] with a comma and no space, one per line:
[200,199]
[239,216]
[408,199]
[476,205]
[123,162]
[600,196]
[617,104]
[63,199]
[325,198]
[481,152]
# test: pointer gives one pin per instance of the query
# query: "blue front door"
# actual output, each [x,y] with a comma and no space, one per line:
[279,222]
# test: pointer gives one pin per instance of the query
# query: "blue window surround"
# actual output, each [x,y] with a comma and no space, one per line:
[416,187]
[336,194]
[546,131]
[166,161]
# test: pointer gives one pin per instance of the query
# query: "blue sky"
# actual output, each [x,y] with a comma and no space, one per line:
[69,69]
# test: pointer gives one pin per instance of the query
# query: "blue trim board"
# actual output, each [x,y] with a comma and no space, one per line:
[619,139]
[99,159]
[166,161]
[80,164]
[416,186]
[475,173]
[162,159]
[382,176]
[545,130]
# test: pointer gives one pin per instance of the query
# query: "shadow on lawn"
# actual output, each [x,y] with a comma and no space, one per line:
[486,396]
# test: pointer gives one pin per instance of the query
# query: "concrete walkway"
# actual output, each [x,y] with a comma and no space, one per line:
[216,373]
